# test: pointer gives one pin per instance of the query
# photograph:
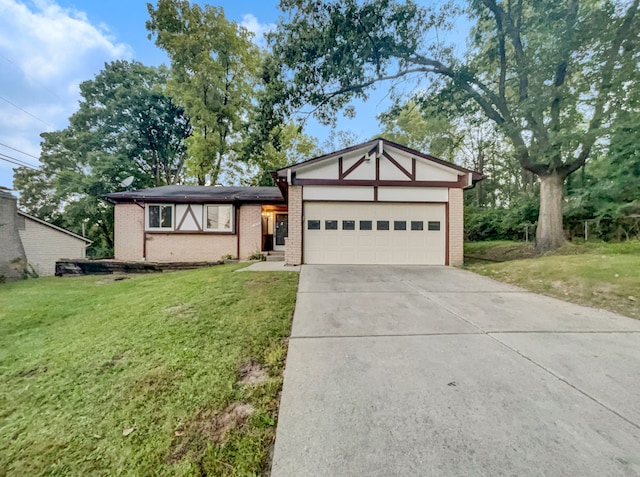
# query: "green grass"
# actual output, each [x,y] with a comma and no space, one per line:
[83,359]
[595,274]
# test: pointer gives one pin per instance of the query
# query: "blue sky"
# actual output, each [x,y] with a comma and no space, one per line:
[47,47]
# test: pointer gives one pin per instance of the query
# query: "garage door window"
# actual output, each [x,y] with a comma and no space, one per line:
[399,225]
[417,225]
[348,225]
[331,225]
[434,225]
[383,225]
[366,225]
[313,224]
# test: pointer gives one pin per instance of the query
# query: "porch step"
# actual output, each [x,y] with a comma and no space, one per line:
[275,256]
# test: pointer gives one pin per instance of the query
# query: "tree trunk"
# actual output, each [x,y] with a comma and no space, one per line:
[550,234]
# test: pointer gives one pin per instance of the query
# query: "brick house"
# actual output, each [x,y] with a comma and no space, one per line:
[28,242]
[374,203]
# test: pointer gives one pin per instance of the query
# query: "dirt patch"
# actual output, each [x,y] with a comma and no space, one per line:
[112,279]
[117,358]
[252,373]
[32,372]
[193,438]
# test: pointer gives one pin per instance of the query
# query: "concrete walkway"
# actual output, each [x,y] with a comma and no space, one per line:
[417,371]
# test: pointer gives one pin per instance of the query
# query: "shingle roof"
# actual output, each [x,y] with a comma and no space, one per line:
[199,194]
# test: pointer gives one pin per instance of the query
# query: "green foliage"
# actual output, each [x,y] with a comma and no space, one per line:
[498,223]
[125,126]
[527,70]
[82,359]
[214,70]
[287,145]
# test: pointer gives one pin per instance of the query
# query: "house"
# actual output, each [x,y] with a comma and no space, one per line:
[30,242]
[374,203]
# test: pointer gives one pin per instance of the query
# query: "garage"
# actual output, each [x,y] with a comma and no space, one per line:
[375,203]
[374,233]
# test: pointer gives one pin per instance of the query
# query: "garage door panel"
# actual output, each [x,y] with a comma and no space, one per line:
[356,246]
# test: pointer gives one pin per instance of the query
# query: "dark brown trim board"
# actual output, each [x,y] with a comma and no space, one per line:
[369,183]
[398,165]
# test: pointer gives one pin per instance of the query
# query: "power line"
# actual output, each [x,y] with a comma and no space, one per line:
[17,162]
[30,77]
[18,150]
[26,112]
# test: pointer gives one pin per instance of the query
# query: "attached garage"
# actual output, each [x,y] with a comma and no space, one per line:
[375,203]
[370,233]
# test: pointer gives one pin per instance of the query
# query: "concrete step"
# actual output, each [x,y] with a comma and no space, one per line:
[275,256]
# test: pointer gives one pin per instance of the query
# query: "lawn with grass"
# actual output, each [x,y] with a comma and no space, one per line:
[597,274]
[143,376]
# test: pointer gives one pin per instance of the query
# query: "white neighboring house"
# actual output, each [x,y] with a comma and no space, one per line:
[44,244]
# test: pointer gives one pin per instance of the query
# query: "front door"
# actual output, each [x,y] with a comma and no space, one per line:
[282,230]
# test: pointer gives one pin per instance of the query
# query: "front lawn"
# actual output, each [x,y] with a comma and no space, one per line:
[169,374]
[594,274]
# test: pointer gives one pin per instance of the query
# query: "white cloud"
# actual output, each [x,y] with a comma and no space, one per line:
[251,23]
[45,50]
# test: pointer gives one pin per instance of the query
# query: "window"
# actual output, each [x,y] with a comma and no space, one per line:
[417,225]
[366,225]
[399,225]
[433,225]
[218,218]
[160,217]
[331,225]
[313,225]
[348,225]
[383,225]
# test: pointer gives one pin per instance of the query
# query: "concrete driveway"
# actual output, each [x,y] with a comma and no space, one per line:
[415,371]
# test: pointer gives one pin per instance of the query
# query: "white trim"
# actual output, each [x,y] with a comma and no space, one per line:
[147,227]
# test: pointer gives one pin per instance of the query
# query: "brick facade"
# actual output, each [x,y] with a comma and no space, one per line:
[128,232]
[250,230]
[456,227]
[293,243]
[131,244]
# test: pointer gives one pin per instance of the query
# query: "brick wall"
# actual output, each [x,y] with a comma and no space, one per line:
[128,234]
[250,227]
[293,243]
[456,227]
[44,246]
[176,247]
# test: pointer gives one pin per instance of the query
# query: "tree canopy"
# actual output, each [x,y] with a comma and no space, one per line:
[546,73]
[214,72]
[125,126]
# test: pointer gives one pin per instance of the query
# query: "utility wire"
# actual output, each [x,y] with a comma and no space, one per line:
[26,112]
[30,77]
[17,162]
[18,150]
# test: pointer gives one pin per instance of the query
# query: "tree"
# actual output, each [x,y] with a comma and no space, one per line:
[214,68]
[287,146]
[542,71]
[125,126]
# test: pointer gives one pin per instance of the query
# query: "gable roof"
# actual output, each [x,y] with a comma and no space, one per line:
[55,227]
[199,194]
[370,146]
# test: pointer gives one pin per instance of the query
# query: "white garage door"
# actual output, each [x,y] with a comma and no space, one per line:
[374,233]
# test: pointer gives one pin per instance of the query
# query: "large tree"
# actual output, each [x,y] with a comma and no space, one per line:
[214,68]
[126,126]
[544,72]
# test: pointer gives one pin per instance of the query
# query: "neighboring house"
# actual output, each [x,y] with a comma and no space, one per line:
[28,241]
[374,203]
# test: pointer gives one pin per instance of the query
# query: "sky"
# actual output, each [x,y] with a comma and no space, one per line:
[48,47]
